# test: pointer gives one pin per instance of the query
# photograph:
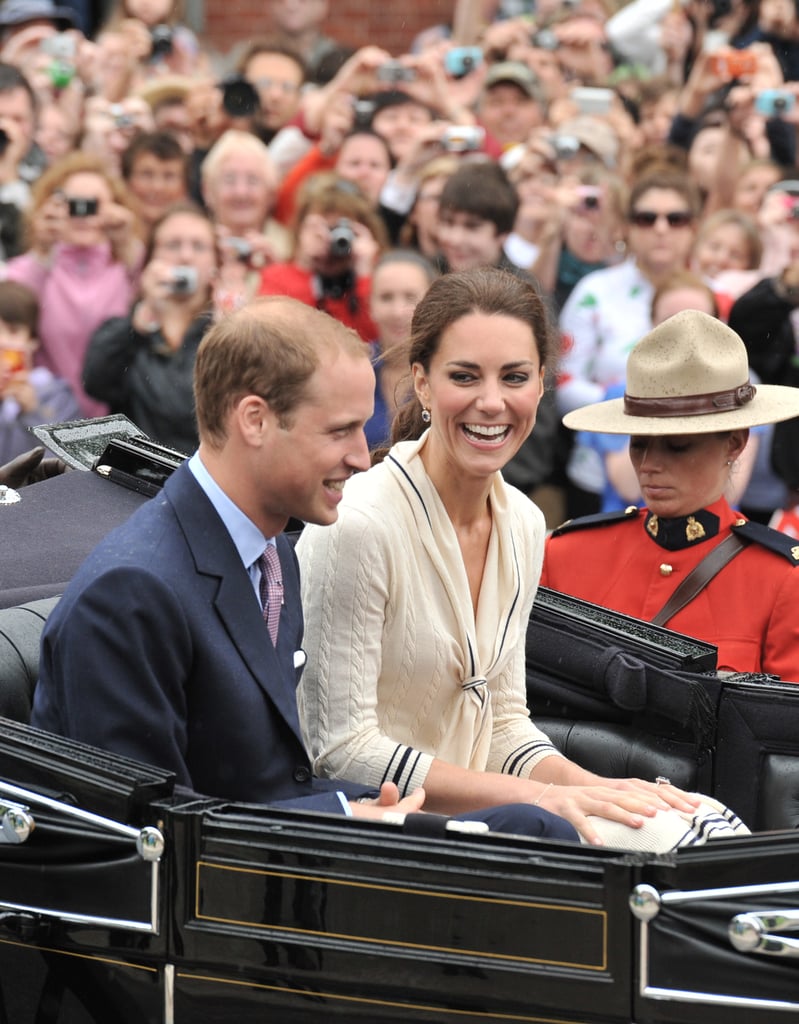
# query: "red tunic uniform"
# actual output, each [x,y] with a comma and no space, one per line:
[749,610]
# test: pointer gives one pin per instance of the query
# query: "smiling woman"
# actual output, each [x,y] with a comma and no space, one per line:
[417,599]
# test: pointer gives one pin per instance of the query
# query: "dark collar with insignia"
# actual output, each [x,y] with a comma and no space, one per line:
[683,531]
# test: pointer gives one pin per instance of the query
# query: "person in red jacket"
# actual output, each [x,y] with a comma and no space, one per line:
[338,238]
[687,407]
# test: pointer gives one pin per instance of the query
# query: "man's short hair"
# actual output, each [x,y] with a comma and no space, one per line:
[271,46]
[19,306]
[12,78]
[483,190]
[162,145]
[270,348]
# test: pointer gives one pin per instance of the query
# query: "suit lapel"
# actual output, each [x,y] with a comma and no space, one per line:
[215,557]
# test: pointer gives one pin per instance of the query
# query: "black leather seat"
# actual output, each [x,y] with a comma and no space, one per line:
[20,632]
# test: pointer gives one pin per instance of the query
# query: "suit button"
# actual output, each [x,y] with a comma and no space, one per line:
[301,774]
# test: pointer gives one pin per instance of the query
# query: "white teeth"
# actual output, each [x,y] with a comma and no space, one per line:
[484,430]
[335,485]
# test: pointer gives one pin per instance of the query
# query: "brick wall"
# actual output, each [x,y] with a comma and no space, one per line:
[391,24]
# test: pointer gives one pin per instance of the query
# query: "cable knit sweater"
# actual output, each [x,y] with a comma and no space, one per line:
[399,671]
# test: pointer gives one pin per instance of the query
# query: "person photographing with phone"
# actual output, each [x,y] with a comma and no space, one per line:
[83,263]
[141,364]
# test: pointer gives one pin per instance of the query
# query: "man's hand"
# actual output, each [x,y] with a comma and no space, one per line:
[388,801]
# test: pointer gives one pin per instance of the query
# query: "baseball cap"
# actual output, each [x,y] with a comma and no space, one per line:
[517,73]
[18,12]
[593,134]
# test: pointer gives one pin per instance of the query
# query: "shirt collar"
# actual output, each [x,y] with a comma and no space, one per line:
[246,536]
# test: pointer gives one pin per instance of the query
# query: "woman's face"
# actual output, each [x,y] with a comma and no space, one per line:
[186,240]
[151,12]
[661,247]
[680,474]
[703,156]
[86,231]
[397,287]
[54,135]
[482,389]
[364,159]
[752,187]
[725,247]
[240,193]
[424,215]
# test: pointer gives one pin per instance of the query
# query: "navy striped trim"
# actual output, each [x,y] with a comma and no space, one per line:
[403,769]
[518,591]
[516,762]
[390,458]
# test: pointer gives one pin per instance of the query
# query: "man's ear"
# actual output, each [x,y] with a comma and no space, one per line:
[254,419]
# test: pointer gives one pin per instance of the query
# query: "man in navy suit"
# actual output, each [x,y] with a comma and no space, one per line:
[158,649]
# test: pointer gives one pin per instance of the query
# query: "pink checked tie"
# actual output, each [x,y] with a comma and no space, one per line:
[271,589]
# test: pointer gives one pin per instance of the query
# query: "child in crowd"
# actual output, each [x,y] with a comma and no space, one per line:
[29,395]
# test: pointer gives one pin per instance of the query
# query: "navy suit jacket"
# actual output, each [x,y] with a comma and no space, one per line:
[158,651]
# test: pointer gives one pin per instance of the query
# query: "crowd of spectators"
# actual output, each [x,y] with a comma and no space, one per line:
[613,152]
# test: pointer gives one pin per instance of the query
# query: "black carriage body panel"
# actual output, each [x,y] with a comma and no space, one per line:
[343,920]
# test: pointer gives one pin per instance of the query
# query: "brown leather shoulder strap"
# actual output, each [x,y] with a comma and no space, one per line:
[699,577]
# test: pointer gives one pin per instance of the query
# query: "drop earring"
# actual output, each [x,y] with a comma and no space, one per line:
[425,415]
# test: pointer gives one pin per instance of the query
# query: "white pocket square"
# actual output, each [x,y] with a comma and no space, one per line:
[300,658]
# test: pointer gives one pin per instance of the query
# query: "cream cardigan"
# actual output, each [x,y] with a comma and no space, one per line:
[398,669]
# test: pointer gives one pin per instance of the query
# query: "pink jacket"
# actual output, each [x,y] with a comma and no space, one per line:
[78,291]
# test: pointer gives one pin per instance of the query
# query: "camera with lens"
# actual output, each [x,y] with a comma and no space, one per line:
[241,248]
[4,141]
[239,97]
[81,207]
[774,102]
[161,42]
[122,119]
[566,146]
[544,39]
[394,71]
[184,280]
[464,138]
[341,239]
[461,60]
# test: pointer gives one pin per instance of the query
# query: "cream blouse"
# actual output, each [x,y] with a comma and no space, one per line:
[399,671]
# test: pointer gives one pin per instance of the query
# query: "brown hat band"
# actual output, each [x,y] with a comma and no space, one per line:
[690,405]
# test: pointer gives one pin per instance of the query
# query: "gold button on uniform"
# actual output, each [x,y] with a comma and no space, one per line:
[666,569]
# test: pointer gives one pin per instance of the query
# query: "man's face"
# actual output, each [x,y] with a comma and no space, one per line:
[468,241]
[297,16]
[157,184]
[314,450]
[16,107]
[509,114]
[277,80]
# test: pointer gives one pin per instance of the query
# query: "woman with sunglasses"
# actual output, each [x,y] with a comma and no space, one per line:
[688,406]
[609,310]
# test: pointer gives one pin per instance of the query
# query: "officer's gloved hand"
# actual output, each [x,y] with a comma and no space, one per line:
[30,468]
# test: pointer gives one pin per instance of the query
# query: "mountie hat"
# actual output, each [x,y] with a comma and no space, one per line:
[690,375]
[18,12]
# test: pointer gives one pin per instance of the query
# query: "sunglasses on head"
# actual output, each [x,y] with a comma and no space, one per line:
[648,218]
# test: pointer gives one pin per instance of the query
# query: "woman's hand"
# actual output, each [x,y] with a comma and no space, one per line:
[627,801]
[365,249]
[48,225]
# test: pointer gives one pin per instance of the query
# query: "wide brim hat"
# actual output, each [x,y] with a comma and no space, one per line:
[689,375]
